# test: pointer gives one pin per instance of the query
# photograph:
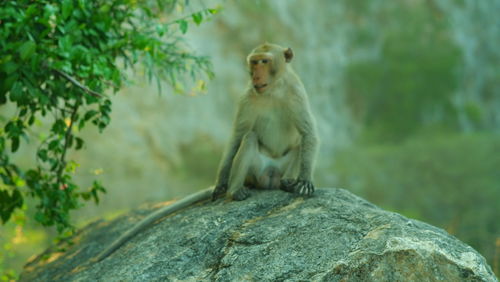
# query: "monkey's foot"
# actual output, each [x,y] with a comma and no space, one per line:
[241,194]
[301,187]
[219,190]
[287,185]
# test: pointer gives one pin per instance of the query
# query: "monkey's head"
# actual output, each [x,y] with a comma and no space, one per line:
[266,63]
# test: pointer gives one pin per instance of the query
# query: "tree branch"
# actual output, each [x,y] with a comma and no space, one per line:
[78,84]
[67,135]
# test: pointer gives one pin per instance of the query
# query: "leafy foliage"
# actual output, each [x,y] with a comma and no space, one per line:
[56,60]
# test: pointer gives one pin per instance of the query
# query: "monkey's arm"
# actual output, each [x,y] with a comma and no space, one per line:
[240,127]
[309,143]
[221,184]
[227,160]
[305,124]
[145,222]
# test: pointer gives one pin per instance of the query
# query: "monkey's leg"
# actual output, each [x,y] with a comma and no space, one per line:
[290,183]
[292,167]
[244,161]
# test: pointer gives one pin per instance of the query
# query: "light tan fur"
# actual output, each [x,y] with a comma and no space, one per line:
[274,137]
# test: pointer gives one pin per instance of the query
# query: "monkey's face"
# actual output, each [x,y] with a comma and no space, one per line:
[261,71]
[267,63]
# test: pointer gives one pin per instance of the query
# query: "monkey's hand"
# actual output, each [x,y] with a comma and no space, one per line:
[298,186]
[219,190]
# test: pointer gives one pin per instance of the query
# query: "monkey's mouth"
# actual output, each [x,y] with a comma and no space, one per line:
[260,87]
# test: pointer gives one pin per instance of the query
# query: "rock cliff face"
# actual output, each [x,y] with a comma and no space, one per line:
[272,236]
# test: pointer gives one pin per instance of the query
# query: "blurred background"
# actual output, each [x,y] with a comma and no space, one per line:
[406,95]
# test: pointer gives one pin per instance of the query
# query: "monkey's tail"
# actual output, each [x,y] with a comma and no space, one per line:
[141,225]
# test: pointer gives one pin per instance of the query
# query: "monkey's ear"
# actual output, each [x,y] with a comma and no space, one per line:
[288,55]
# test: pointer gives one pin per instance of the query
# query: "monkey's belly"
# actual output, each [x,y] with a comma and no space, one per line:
[273,153]
[275,132]
[280,163]
[277,147]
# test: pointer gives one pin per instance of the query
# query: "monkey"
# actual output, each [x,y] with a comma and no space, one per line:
[274,140]
[273,143]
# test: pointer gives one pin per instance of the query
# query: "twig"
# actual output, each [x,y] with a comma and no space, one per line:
[67,135]
[78,84]
[186,17]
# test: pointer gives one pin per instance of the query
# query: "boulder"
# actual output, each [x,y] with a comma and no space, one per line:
[272,236]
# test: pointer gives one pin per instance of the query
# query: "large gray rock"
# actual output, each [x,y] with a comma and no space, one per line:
[272,236]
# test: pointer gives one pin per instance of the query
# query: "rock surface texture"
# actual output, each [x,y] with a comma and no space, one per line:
[272,236]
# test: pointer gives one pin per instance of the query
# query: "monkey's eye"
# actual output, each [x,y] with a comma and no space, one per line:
[254,62]
[265,61]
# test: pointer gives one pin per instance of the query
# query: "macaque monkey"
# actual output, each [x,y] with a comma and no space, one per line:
[273,143]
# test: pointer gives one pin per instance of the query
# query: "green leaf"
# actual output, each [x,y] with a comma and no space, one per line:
[79,143]
[85,195]
[32,10]
[81,124]
[67,8]
[9,67]
[197,18]
[9,202]
[66,44]
[19,182]
[42,154]
[213,11]
[23,112]
[14,144]
[27,49]
[16,92]
[95,189]
[183,26]
[58,127]
[6,85]
[54,144]
[104,9]
[11,129]
[31,120]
